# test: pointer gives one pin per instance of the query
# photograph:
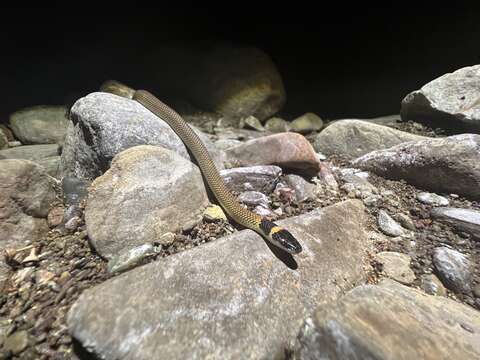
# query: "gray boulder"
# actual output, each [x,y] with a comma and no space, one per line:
[40,124]
[106,124]
[261,178]
[467,220]
[147,192]
[228,299]
[390,321]
[449,165]
[454,269]
[25,197]
[353,138]
[452,100]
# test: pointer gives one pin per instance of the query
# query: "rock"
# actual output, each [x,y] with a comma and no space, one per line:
[307,123]
[396,266]
[105,124]
[448,165]
[4,276]
[287,150]
[238,134]
[326,177]
[147,192]
[74,190]
[452,101]
[253,198]
[432,285]
[17,342]
[30,152]
[353,138]
[251,122]
[261,178]
[230,298]
[40,124]
[277,125]
[390,321]
[42,276]
[213,213]
[72,224]
[388,225]
[224,144]
[386,120]
[14,144]
[467,220]
[7,132]
[453,268]
[303,189]
[353,182]
[405,221]
[432,199]
[129,259]
[3,140]
[266,212]
[26,192]
[166,239]
[51,166]
[55,216]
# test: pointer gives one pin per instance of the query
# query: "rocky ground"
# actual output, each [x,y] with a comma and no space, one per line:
[390,207]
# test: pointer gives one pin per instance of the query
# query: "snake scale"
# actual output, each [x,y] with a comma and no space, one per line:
[273,233]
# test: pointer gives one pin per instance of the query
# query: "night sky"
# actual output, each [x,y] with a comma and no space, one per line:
[344,62]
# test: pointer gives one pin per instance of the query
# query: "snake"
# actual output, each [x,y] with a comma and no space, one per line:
[274,234]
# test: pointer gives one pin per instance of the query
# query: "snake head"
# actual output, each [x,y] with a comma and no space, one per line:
[280,237]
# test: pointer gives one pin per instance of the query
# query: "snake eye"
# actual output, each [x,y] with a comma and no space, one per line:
[286,241]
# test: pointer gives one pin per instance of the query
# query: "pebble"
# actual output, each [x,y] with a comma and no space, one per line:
[454,269]
[251,122]
[405,221]
[214,212]
[388,225]
[166,239]
[129,259]
[432,199]
[17,342]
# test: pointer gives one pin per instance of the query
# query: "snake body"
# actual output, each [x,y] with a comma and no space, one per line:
[273,233]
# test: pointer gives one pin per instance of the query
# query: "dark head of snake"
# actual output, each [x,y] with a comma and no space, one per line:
[280,237]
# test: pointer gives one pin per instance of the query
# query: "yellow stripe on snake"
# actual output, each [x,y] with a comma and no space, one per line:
[273,233]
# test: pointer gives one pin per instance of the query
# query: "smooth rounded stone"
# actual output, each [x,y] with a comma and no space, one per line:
[228,299]
[390,321]
[406,221]
[14,144]
[306,123]
[3,140]
[396,266]
[25,197]
[224,144]
[51,166]
[287,150]
[451,100]
[277,125]
[251,122]
[16,342]
[432,199]
[129,259]
[388,225]
[445,165]
[147,192]
[40,124]
[261,178]
[467,220]
[453,268]
[30,152]
[213,213]
[253,198]
[353,138]
[105,124]
[303,189]
[74,190]
[358,183]
[432,285]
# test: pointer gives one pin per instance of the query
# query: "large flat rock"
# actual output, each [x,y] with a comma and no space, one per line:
[229,299]
[391,321]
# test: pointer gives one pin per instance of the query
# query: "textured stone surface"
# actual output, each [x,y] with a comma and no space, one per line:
[130,258]
[147,192]
[51,166]
[432,199]
[261,178]
[388,225]
[30,152]
[287,150]
[306,123]
[450,165]
[432,285]
[303,189]
[228,299]
[277,124]
[396,266]
[353,138]
[26,192]
[467,220]
[106,124]
[451,100]
[253,198]
[453,268]
[40,124]
[391,321]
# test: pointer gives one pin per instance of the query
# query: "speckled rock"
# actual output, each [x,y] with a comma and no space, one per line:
[105,124]
[303,189]
[253,198]
[454,269]
[228,299]
[214,212]
[388,225]
[451,100]
[390,321]
[277,125]
[130,258]
[432,199]
[448,165]
[261,178]
[30,152]
[224,144]
[467,220]
[396,266]
[147,192]
[432,285]
[307,123]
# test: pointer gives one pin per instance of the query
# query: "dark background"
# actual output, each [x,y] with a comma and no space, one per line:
[337,62]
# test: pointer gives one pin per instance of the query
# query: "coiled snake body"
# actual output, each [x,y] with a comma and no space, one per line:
[270,231]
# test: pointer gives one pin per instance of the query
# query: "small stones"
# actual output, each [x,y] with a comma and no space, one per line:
[43,276]
[307,123]
[432,285]
[251,122]
[277,125]
[129,259]
[432,199]
[388,225]
[17,342]
[453,268]
[213,213]
[396,266]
